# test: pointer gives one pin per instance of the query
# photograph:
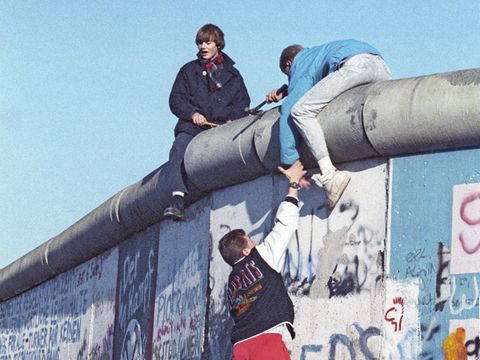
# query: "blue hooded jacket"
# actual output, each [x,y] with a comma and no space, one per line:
[310,66]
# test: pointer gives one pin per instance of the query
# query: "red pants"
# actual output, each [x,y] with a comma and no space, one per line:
[261,347]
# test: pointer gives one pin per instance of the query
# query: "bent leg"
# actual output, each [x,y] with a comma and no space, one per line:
[358,70]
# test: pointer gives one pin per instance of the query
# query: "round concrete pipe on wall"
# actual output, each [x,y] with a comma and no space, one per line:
[342,123]
[423,114]
[266,139]
[131,210]
[224,155]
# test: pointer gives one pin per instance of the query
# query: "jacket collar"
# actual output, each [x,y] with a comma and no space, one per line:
[225,75]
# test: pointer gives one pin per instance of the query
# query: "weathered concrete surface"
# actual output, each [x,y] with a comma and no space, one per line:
[69,317]
[137,265]
[361,123]
[181,292]
[385,275]
[334,262]
[433,240]
[423,114]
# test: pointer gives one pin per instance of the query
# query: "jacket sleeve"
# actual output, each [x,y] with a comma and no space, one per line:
[240,102]
[180,99]
[273,248]
[289,134]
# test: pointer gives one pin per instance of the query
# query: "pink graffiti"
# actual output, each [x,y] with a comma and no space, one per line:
[177,326]
[397,317]
[470,221]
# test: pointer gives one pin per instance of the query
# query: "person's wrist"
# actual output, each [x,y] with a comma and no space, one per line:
[294,185]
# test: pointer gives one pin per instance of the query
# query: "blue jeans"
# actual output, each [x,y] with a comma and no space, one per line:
[358,70]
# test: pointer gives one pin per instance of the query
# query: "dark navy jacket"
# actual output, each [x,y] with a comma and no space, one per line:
[190,94]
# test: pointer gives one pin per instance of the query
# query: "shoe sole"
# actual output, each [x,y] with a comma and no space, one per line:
[344,187]
[173,216]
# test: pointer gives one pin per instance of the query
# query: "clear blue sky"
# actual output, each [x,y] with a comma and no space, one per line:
[84,85]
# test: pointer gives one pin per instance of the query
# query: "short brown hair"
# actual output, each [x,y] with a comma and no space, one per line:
[210,32]
[289,53]
[232,244]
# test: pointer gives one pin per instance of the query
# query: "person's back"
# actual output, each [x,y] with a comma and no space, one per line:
[321,60]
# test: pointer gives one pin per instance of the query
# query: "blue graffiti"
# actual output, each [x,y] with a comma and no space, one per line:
[309,349]
[343,339]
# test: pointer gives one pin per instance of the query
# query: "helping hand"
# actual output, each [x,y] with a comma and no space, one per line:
[295,173]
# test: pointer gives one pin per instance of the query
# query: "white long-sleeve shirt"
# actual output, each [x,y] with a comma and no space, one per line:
[274,246]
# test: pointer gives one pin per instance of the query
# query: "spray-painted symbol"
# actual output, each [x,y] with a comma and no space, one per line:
[132,342]
[394,315]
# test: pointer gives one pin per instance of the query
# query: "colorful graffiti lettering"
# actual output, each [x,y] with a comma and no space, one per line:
[454,346]
[470,246]
[465,229]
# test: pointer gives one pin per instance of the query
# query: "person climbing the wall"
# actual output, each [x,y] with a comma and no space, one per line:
[260,306]
[208,91]
[316,76]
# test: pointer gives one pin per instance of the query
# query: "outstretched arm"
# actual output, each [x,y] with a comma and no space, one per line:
[273,248]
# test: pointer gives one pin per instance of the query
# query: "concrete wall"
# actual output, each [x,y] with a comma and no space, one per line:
[435,242]
[388,274]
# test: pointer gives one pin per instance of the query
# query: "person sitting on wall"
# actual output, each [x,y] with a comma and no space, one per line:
[316,76]
[207,91]
[255,285]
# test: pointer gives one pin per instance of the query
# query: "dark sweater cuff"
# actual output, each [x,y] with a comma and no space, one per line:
[291,199]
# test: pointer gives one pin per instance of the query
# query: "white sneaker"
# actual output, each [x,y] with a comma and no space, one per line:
[334,183]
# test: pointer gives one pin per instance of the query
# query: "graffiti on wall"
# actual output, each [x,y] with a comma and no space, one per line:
[464,295]
[463,338]
[136,284]
[466,229]
[394,314]
[70,314]
[442,285]
[359,343]
[453,346]
[401,327]
[180,304]
[349,262]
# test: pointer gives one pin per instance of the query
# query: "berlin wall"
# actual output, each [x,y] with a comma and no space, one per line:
[392,272]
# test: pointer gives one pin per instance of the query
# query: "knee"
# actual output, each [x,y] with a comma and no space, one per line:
[298,111]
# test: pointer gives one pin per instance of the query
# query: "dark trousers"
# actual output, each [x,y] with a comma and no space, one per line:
[175,171]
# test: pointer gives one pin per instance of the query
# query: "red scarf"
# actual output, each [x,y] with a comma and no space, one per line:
[217,60]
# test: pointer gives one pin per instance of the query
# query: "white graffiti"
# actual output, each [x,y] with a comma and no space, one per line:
[465,304]
[132,348]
